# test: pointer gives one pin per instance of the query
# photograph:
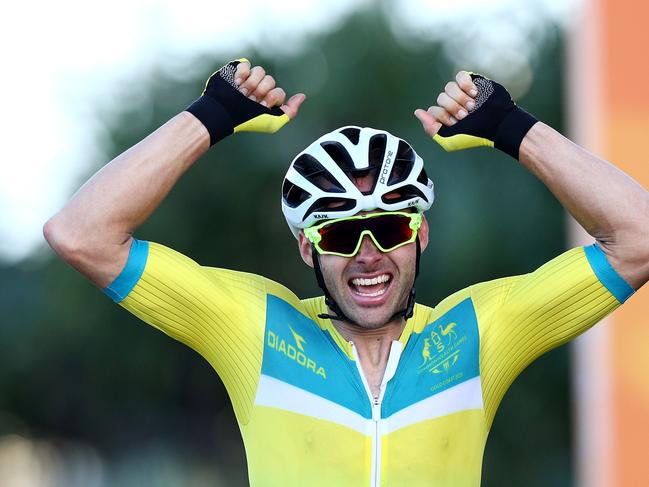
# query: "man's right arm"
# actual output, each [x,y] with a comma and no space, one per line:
[93,232]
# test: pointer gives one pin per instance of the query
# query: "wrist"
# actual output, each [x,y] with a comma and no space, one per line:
[538,141]
[195,130]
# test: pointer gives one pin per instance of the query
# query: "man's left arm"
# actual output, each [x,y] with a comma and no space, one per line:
[608,203]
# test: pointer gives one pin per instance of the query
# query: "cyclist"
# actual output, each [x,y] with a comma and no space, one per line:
[361,386]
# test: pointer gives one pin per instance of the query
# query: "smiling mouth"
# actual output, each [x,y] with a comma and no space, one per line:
[370,287]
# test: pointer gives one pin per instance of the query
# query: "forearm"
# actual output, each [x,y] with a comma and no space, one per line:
[93,231]
[608,203]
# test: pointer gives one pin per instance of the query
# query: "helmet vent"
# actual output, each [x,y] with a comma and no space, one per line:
[376,151]
[339,155]
[352,133]
[403,194]
[293,195]
[309,167]
[423,177]
[403,163]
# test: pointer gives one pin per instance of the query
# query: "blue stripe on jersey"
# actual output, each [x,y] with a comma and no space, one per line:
[443,355]
[127,279]
[604,271]
[298,352]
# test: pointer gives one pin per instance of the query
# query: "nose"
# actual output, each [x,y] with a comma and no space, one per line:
[368,253]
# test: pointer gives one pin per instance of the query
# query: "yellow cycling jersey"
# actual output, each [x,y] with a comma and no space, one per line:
[299,394]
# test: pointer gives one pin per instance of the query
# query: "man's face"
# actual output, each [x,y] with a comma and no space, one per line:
[371,286]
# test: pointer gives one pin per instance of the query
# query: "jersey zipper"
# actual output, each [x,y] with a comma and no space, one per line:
[376,401]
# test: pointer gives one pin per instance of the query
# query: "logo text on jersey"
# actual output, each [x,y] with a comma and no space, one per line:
[295,352]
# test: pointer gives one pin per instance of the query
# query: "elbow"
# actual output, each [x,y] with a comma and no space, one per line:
[49,232]
[92,254]
[629,254]
[62,239]
[640,251]
[643,258]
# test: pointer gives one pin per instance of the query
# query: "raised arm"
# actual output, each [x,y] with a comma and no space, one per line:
[608,203]
[93,231]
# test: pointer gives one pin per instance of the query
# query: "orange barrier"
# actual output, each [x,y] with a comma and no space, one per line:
[608,112]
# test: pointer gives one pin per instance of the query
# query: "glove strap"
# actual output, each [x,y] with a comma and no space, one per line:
[213,116]
[512,131]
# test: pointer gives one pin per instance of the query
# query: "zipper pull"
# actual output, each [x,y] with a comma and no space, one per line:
[376,409]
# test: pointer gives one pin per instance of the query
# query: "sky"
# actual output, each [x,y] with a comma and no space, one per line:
[64,59]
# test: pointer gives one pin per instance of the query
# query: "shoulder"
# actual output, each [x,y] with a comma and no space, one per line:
[482,297]
[424,315]
[160,271]
[252,282]
[478,293]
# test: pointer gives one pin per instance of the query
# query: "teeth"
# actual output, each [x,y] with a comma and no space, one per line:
[359,281]
[377,293]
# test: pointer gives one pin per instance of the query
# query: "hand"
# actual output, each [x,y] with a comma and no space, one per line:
[240,99]
[475,111]
[261,87]
[454,103]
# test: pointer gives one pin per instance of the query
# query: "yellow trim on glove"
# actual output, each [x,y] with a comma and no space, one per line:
[461,141]
[265,123]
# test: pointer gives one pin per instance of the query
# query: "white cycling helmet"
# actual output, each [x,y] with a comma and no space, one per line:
[319,185]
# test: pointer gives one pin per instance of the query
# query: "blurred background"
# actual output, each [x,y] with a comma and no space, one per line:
[89,396]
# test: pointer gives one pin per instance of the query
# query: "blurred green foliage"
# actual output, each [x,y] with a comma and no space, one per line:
[75,366]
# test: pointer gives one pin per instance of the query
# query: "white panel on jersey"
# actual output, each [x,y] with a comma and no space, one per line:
[464,396]
[275,393]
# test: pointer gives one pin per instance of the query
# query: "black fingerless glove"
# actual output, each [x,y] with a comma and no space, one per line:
[223,109]
[496,121]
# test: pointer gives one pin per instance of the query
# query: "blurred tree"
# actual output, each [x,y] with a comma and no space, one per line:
[73,365]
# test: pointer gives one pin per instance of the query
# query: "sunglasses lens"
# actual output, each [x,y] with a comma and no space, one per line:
[341,237]
[389,230]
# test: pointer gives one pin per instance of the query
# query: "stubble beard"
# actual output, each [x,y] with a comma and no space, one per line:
[370,318]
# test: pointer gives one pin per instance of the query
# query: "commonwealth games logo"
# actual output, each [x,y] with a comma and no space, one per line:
[441,349]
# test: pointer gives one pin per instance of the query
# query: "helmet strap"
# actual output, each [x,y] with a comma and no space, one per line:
[410,305]
[338,313]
